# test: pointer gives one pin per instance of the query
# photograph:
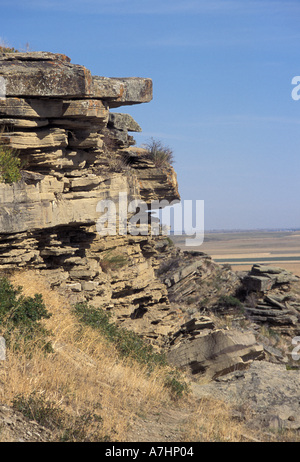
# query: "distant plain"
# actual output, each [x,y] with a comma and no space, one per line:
[242,249]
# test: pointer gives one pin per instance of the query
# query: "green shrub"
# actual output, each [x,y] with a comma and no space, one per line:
[230,301]
[161,155]
[176,386]
[10,165]
[128,344]
[79,430]
[113,262]
[170,243]
[21,315]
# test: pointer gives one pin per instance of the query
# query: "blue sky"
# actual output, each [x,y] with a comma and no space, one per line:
[222,73]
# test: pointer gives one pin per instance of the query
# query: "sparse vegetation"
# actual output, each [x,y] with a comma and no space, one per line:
[128,344]
[35,407]
[228,301]
[10,165]
[86,390]
[176,385]
[113,262]
[6,49]
[67,428]
[161,155]
[20,316]
[97,381]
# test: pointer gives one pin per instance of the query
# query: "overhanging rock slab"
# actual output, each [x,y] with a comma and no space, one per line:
[216,353]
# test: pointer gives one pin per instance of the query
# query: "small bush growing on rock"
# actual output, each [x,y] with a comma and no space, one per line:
[176,385]
[161,155]
[10,165]
[230,302]
[7,49]
[113,262]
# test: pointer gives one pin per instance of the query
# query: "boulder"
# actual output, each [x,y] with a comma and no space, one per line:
[123,122]
[262,278]
[216,353]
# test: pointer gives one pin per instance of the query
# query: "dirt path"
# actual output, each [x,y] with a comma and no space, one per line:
[163,425]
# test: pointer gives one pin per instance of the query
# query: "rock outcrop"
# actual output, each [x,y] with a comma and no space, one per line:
[271,299]
[266,394]
[264,277]
[49,75]
[216,352]
[76,153]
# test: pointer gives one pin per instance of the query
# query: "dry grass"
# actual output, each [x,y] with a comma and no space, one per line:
[84,374]
[214,421]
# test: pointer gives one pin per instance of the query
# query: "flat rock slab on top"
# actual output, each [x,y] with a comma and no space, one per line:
[41,74]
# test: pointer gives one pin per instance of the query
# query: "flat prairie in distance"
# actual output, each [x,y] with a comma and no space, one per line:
[242,249]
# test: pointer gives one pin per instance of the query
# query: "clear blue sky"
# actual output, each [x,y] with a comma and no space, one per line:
[222,73]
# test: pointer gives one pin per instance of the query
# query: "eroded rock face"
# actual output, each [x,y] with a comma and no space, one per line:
[216,353]
[44,74]
[272,298]
[77,153]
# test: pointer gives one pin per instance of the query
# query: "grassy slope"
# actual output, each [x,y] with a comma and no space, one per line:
[94,394]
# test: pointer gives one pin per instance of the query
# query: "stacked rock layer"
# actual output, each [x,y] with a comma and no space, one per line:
[75,152]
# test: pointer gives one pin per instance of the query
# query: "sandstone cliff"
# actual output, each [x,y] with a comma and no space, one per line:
[77,151]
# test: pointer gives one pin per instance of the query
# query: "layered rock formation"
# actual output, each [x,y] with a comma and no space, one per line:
[272,298]
[76,153]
